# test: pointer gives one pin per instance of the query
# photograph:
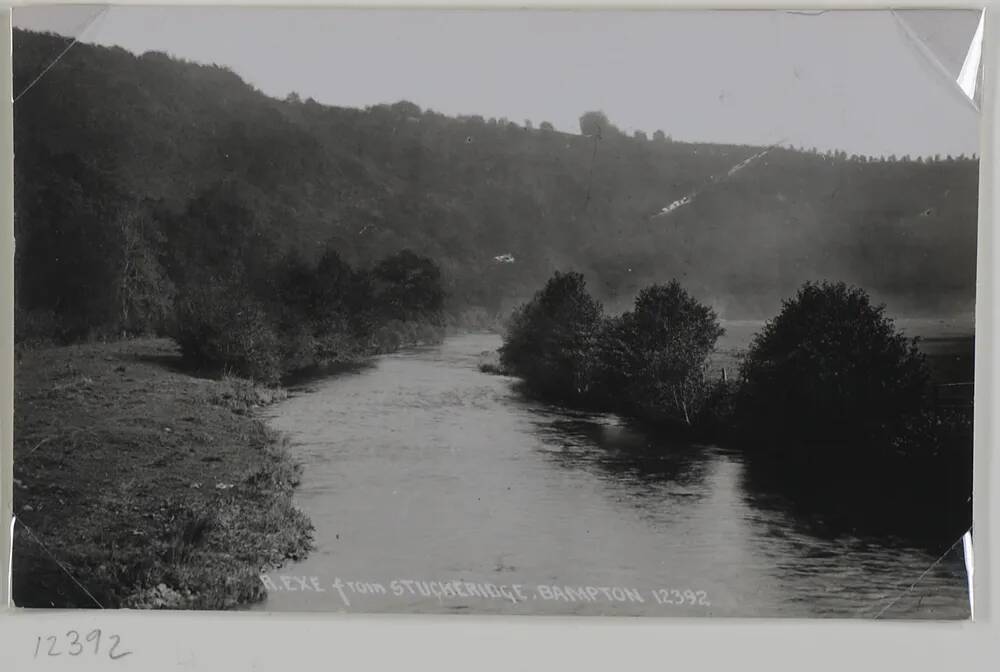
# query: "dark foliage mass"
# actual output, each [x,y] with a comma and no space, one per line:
[830,368]
[828,393]
[653,359]
[550,340]
[295,315]
[136,173]
[649,362]
[833,396]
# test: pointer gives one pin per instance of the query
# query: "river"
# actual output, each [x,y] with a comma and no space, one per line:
[426,478]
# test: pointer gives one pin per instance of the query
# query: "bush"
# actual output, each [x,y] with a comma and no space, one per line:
[297,347]
[831,367]
[219,325]
[396,334]
[407,287]
[653,359]
[550,340]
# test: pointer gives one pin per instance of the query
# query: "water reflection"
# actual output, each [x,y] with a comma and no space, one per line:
[851,501]
[622,452]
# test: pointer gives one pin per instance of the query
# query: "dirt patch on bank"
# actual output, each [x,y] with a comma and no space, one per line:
[142,485]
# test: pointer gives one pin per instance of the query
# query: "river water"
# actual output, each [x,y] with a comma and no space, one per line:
[428,482]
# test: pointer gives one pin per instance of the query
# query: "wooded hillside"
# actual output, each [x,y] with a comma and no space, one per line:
[122,157]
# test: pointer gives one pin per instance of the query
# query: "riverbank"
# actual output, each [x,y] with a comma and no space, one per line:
[141,485]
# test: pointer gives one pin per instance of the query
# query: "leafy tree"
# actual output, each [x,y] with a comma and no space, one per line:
[546,126]
[596,125]
[344,310]
[659,136]
[293,283]
[145,293]
[549,341]
[653,359]
[405,108]
[67,255]
[408,286]
[219,325]
[337,287]
[831,367]
[221,228]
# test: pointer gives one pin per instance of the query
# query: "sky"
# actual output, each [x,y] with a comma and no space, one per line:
[864,82]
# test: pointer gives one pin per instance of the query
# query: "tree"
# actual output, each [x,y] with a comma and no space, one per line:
[653,359]
[145,293]
[290,309]
[546,126]
[221,228]
[220,325]
[596,125]
[68,256]
[659,136]
[293,285]
[336,286]
[405,108]
[640,135]
[408,287]
[549,341]
[343,308]
[831,367]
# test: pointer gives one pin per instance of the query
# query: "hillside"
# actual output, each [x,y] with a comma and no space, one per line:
[105,132]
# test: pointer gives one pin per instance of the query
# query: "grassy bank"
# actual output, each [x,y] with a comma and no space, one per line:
[149,486]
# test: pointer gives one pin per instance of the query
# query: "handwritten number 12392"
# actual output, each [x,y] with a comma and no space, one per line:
[73,644]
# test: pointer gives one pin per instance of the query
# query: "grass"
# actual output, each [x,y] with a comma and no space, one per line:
[150,487]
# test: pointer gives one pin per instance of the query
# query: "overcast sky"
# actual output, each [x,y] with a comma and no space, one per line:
[855,81]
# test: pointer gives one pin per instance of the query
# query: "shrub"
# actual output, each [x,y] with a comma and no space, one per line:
[219,325]
[550,340]
[653,359]
[408,287]
[395,334]
[831,367]
[297,348]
